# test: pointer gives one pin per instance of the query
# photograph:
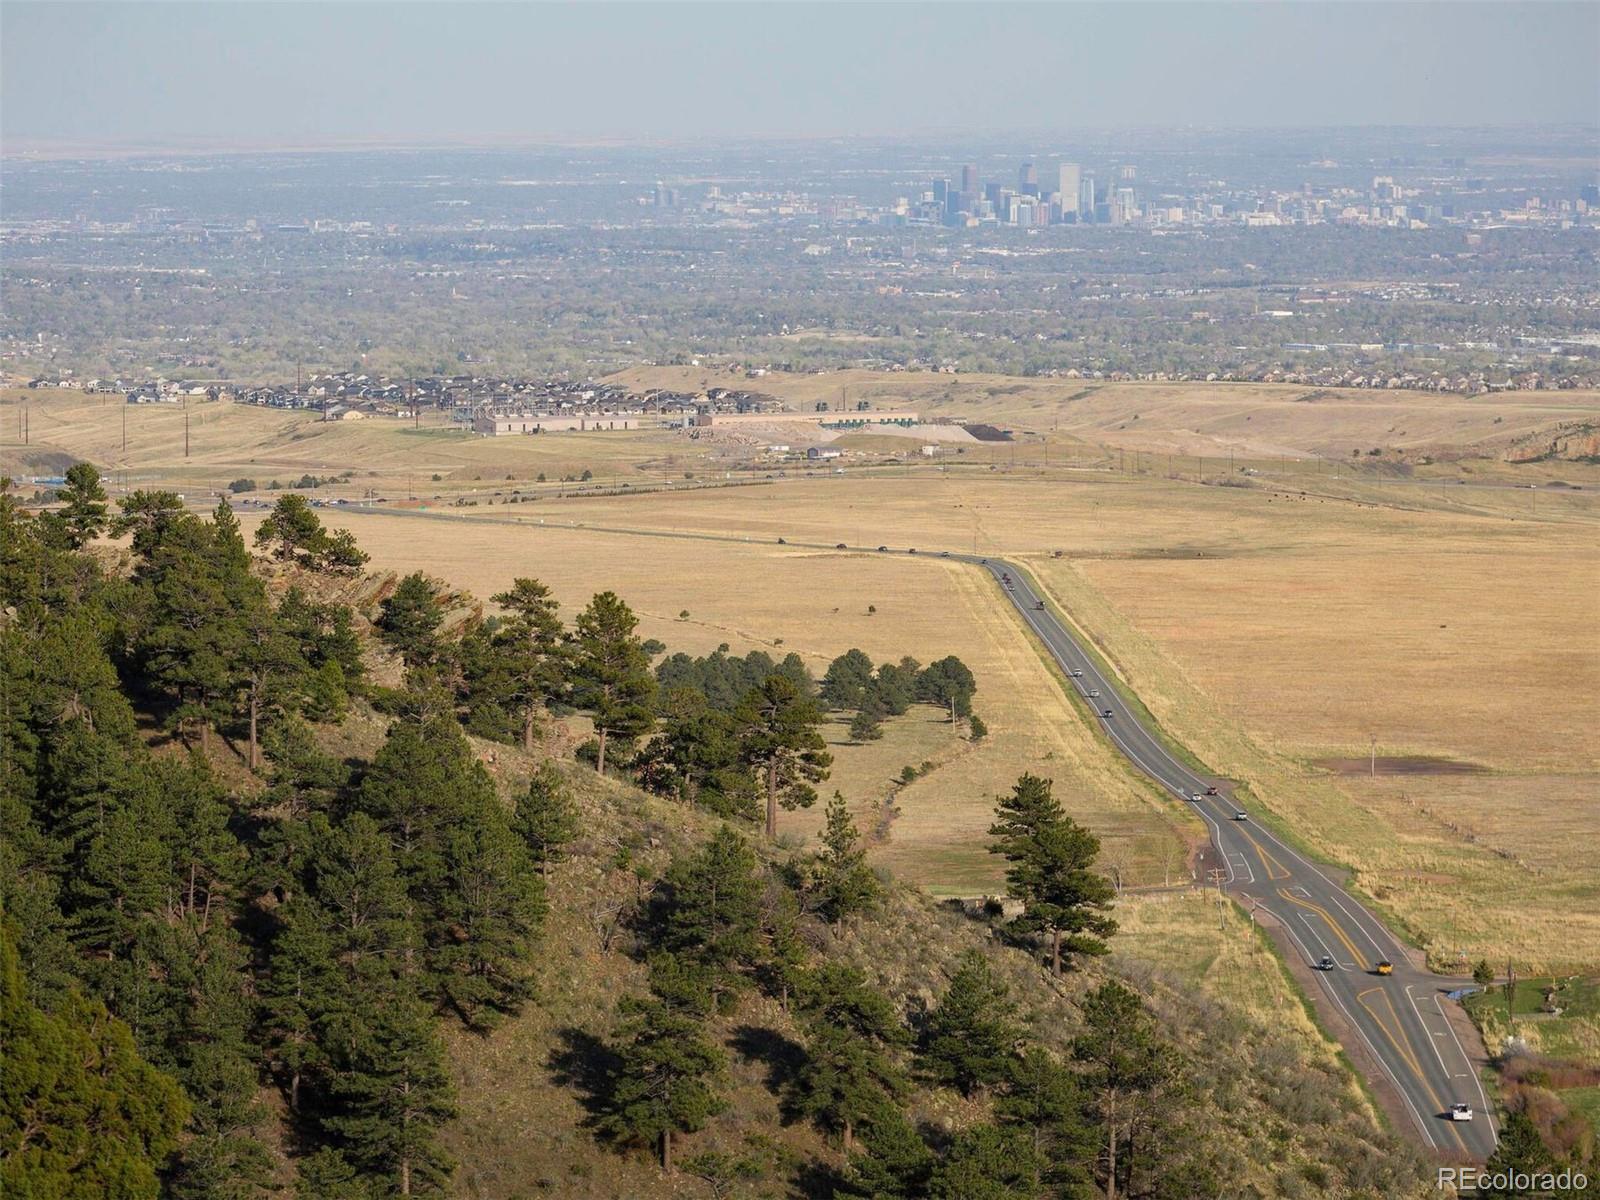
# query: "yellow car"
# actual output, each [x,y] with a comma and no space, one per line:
[1385,967]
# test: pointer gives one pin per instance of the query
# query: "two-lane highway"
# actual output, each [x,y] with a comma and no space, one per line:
[1400,1017]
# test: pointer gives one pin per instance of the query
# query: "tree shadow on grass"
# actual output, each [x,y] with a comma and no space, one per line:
[584,1063]
[782,1056]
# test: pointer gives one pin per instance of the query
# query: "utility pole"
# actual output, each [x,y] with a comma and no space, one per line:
[186,428]
[1374,756]
[124,428]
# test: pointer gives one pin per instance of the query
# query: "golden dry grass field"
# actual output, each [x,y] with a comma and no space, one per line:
[779,599]
[1266,629]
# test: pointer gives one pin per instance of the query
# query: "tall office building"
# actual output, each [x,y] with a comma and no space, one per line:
[1086,198]
[1071,184]
[1028,179]
[969,180]
[941,192]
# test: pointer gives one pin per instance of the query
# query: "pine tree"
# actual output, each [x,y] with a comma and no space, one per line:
[81,1113]
[611,672]
[1044,1099]
[849,1071]
[491,906]
[292,530]
[546,819]
[529,647]
[191,640]
[867,724]
[151,517]
[341,555]
[1520,1151]
[844,885]
[971,1034]
[780,746]
[665,1080]
[987,1162]
[1126,1060]
[695,758]
[949,683]
[84,512]
[409,620]
[845,684]
[1051,859]
[709,909]
[389,1091]
[892,1161]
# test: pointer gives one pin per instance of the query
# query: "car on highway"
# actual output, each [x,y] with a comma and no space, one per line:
[913,550]
[1094,693]
[1039,604]
[1197,797]
[1212,790]
[841,546]
[1105,712]
[944,554]
[1325,963]
[1461,1112]
[1239,815]
[783,541]
[1384,967]
[883,549]
[1075,673]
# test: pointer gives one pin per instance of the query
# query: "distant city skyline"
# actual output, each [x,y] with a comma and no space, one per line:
[251,74]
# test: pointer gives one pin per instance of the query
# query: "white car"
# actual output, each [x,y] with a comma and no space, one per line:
[1094,693]
[1461,1112]
[1197,797]
[1076,674]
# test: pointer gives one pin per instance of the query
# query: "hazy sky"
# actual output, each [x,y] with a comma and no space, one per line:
[278,72]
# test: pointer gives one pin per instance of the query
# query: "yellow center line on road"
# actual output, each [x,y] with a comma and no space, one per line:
[1274,868]
[1338,929]
[1397,1038]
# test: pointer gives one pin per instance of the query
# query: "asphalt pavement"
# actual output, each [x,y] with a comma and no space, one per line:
[1401,1016]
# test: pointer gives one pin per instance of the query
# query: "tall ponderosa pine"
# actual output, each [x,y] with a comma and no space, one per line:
[1045,1100]
[409,620]
[85,511]
[665,1080]
[611,672]
[390,1091]
[849,1071]
[709,910]
[490,909]
[843,884]
[1127,1061]
[948,683]
[149,517]
[971,1035]
[546,819]
[988,1162]
[1052,859]
[529,647]
[776,727]
[190,639]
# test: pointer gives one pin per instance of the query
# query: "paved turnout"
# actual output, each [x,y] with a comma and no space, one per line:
[1400,1017]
